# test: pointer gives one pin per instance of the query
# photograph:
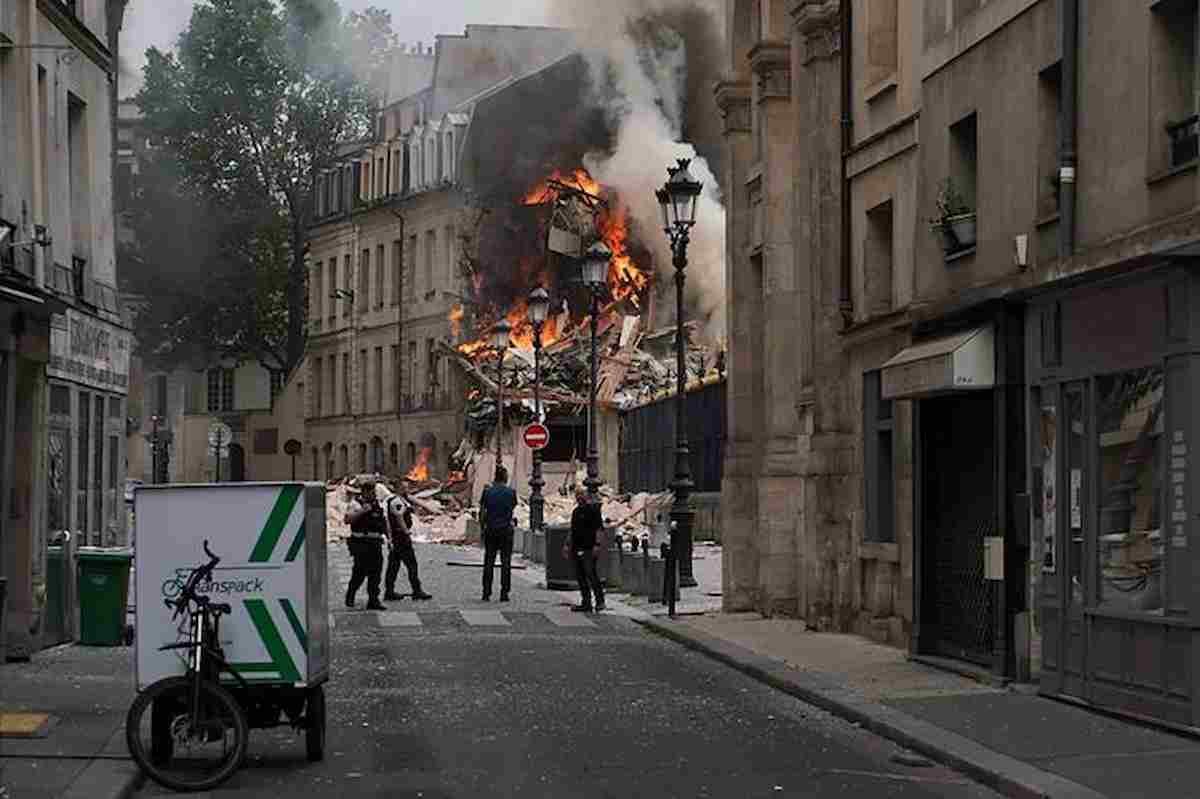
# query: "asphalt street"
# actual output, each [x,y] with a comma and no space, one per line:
[457,698]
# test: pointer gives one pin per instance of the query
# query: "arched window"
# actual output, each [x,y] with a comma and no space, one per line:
[412,454]
[362,457]
[377,455]
[344,460]
[328,461]
[316,457]
[395,457]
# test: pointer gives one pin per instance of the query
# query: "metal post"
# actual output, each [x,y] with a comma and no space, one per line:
[682,513]
[537,502]
[154,450]
[593,457]
[499,409]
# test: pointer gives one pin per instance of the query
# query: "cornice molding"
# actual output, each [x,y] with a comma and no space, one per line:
[819,24]
[733,102]
[79,34]
[771,62]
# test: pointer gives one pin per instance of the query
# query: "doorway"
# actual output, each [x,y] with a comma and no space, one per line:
[958,511]
[237,463]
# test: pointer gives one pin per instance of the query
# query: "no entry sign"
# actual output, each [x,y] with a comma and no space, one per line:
[536,436]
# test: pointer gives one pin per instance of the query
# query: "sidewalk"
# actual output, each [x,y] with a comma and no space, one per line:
[1021,744]
[62,725]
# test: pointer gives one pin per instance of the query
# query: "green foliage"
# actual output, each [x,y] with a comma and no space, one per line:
[255,100]
[950,201]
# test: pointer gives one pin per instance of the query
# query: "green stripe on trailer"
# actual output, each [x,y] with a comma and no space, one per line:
[297,545]
[294,620]
[271,639]
[268,539]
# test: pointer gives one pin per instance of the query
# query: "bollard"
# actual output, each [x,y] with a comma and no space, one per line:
[669,574]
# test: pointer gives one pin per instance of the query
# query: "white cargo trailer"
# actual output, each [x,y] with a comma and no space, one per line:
[270,538]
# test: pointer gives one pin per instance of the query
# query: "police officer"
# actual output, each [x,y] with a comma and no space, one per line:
[367,529]
[400,523]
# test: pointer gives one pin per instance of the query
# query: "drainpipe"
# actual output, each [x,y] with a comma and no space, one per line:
[1069,30]
[845,298]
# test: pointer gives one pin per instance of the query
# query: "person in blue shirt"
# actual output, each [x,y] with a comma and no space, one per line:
[496,507]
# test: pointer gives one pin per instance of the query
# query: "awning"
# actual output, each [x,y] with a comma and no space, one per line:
[963,361]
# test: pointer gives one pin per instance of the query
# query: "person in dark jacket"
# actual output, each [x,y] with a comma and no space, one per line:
[400,523]
[496,507]
[585,545]
[367,529]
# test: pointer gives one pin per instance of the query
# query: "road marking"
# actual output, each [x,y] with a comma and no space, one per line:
[484,618]
[566,618]
[398,618]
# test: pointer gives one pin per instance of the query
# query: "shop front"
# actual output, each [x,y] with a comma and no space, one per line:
[964,377]
[1114,379]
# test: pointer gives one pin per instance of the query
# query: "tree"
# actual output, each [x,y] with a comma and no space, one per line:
[254,103]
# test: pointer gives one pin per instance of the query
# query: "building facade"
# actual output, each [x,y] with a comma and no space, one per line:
[984,235]
[385,270]
[65,348]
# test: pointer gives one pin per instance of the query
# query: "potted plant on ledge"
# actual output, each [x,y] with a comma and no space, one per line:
[955,220]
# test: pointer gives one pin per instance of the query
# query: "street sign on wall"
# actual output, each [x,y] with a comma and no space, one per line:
[536,436]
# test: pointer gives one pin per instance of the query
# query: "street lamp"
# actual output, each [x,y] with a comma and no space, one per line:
[678,198]
[539,309]
[500,336]
[594,271]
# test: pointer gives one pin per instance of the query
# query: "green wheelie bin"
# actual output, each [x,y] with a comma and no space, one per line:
[103,595]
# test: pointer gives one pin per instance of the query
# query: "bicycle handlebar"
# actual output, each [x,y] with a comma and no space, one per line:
[201,573]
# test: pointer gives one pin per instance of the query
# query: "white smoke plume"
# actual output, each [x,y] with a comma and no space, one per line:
[650,75]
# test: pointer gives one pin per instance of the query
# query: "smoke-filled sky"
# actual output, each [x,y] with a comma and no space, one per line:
[156,23]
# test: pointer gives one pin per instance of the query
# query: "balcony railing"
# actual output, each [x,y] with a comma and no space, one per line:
[1185,140]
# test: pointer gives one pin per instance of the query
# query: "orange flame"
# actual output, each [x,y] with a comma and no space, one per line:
[420,470]
[456,316]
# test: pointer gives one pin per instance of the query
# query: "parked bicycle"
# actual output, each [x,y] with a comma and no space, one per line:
[189,733]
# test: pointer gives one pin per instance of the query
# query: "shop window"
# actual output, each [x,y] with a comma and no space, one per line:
[220,390]
[98,517]
[1075,490]
[1051,335]
[878,462]
[1045,474]
[1129,420]
[84,441]
[1174,103]
[60,401]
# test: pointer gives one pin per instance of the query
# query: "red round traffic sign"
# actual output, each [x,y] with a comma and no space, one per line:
[536,436]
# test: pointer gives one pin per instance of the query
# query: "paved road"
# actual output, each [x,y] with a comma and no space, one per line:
[455,698]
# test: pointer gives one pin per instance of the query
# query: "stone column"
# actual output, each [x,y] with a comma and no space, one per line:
[739,492]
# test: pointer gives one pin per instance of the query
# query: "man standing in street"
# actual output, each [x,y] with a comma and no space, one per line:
[496,508]
[367,529]
[586,543]
[400,522]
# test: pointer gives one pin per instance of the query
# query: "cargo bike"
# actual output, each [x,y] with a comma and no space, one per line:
[232,626]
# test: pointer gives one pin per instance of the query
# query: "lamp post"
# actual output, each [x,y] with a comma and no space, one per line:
[539,309]
[677,198]
[500,336]
[595,276]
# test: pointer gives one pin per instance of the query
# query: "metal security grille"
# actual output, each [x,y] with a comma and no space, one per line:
[966,618]
[648,442]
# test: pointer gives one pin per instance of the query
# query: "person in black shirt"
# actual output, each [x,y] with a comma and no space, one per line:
[400,524]
[585,544]
[367,529]
[496,507]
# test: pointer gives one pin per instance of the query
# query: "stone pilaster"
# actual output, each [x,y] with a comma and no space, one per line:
[739,498]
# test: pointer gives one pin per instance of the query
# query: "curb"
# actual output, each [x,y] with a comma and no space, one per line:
[1007,775]
[105,779]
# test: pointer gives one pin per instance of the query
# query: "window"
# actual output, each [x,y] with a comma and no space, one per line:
[394,456]
[266,441]
[1049,109]
[84,442]
[160,396]
[346,277]
[318,387]
[333,276]
[878,252]
[362,457]
[451,272]
[410,272]
[364,280]
[379,379]
[317,281]
[1174,103]
[220,390]
[397,270]
[395,388]
[964,157]
[412,454]
[881,41]
[79,173]
[344,459]
[98,517]
[380,272]
[878,464]
[431,365]
[363,382]
[333,388]
[1129,421]
[347,408]
[430,258]
[277,378]
[410,374]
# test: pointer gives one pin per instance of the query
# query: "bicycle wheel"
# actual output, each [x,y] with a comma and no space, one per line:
[178,752]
